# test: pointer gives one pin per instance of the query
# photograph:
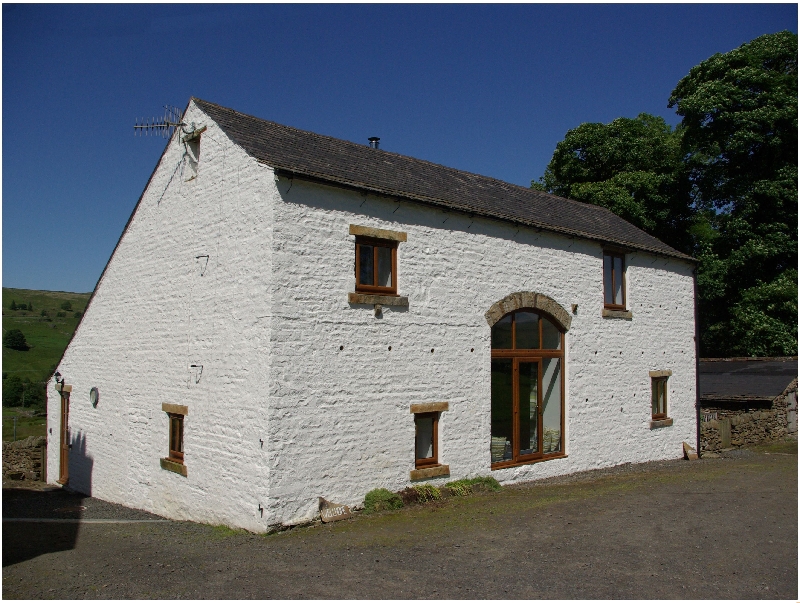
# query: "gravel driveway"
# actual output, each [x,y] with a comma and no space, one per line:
[722,528]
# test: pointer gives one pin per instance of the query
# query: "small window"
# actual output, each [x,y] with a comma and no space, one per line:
[659,387]
[426,444]
[614,280]
[176,414]
[376,266]
[175,438]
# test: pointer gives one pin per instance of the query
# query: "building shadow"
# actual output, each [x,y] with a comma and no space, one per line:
[25,535]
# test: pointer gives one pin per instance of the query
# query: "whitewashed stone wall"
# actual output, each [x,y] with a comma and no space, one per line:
[159,309]
[280,414]
[341,417]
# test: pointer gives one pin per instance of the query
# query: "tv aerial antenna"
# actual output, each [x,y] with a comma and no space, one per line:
[161,126]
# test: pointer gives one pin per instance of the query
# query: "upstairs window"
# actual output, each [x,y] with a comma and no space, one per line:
[376,266]
[614,280]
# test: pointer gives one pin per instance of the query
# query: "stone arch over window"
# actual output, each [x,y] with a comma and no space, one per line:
[532,301]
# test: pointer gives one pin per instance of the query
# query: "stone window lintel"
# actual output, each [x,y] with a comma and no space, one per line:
[378,233]
[429,407]
[175,409]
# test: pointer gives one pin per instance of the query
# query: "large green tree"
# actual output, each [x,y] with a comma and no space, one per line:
[739,125]
[722,186]
[634,167]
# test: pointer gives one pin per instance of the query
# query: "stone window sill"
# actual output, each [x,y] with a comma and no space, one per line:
[660,423]
[383,300]
[437,471]
[626,314]
[171,465]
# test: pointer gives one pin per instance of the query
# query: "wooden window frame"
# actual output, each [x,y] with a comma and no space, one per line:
[376,243]
[614,254]
[537,356]
[655,384]
[175,423]
[433,460]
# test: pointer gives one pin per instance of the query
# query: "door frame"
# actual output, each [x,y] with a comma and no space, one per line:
[64,443]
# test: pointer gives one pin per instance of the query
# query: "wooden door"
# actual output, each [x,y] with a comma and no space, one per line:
[63,474]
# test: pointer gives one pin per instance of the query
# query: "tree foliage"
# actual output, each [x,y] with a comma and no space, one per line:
[722,187]
[633,167]
[739,113]
[15,340]
[12,391]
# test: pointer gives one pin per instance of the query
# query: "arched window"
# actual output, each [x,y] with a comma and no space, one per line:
[527,389]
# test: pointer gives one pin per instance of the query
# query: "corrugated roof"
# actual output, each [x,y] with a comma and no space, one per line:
[342,162]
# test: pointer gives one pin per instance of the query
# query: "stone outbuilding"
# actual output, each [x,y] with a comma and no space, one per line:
[289,316]
[746,401]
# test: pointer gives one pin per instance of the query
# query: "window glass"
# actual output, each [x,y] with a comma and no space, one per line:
[502,406]
[551,336]
[527,330]
[528,407]
[424,439]
[618,280]
[365,263]
[607,286]
[551,401]
[501,333]
[176,436]
[659,397]
[384,266]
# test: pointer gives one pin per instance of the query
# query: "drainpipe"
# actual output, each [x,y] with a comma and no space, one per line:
[696,362]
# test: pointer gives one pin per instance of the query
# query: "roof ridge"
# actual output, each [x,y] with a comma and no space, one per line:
[527,190]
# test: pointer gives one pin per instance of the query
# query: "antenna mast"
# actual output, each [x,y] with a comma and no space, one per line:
[164,126]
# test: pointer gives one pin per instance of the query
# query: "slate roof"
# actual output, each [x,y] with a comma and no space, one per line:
[346,163]
[743,379]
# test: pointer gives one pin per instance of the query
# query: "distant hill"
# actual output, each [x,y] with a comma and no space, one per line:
[47,335]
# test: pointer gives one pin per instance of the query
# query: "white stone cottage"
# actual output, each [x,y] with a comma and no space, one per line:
[289,316]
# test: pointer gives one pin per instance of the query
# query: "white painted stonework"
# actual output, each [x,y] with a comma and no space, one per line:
[299,395]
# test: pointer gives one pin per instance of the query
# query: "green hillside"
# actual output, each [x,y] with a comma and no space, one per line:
[47,329]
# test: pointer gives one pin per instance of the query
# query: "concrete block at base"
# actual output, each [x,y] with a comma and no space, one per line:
[689,453]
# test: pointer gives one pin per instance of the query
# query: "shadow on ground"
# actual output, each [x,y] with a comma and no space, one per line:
[24,540]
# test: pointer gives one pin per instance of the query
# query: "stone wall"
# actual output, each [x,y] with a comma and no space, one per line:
[23,459]
[746,425]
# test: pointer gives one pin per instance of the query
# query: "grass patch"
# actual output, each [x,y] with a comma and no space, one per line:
[463,487]
[780,447]
[427,493]
[221,531]
[381,499]
[28,424]
[47,335]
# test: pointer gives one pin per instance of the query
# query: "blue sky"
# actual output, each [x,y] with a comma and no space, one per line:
[483,88]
